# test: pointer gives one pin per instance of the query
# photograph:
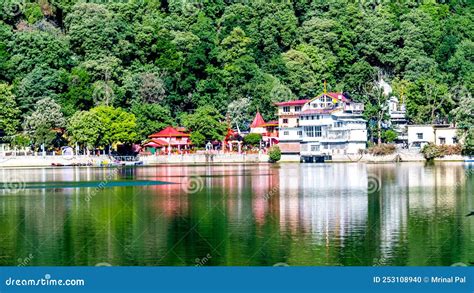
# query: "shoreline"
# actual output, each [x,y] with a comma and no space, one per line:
[47,161]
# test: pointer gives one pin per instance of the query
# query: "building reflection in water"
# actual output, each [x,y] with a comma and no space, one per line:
[306,214]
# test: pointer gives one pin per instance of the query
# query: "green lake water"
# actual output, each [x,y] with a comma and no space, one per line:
[238,215]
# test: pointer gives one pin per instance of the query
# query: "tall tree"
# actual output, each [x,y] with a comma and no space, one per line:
[10,117]
[43,124]
[206,123]
[84,128]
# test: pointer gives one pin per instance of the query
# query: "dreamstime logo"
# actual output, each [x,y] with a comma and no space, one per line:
[13,7]
[193,185]
[103,93]
[23,262]
[103,183]
[13,184]
[189,7]
[271,193]
[373,183]
[280,93]
[202,261]
[103,264]
[459,264]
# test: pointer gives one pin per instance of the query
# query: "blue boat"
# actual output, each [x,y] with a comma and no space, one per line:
[469,160]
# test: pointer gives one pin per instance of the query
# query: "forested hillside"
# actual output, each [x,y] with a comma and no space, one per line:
[160,59]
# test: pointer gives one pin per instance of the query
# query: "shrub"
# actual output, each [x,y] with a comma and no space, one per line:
[382,149]
[253,139]
[431,151]
[274,154]
[389,135]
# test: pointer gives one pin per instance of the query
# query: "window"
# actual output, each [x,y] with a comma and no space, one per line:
[455,140]
[419,135]
[315,148]
[442,140]
[313,131]
[300,133]
[285,120]
[286,109]
[318,117]
[286,133]
[338,124]
[297,108]
[317,131]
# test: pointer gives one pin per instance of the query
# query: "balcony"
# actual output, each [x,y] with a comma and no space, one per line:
[336,134]
[354,107]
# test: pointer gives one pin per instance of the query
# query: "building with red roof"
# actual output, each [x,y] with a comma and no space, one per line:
[169,139]
[330,123]
[268,130]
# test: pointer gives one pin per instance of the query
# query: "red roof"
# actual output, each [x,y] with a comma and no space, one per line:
[292,103]
[257,121]
[169,132]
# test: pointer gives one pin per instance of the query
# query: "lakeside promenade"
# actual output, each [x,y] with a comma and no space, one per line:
[46,161]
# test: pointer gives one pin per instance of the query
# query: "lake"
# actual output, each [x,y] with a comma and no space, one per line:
[407,214]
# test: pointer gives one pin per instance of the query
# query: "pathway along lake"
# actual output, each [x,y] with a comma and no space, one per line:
[240,215]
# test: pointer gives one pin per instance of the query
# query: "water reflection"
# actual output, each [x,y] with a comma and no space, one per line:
[299,214]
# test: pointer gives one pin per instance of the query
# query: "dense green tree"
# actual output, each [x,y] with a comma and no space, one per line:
[150,118]
[96,31]
[117,125]
[429,101]
[464,115]
[301,78]
[44,123]
[85,128]
[77,93]
[39,83]
[253,139]
[185,55]
[42,45]
[10,117]
[376,110]
[206,122]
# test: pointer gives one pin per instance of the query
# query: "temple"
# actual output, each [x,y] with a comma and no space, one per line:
[168,139]
[268,130]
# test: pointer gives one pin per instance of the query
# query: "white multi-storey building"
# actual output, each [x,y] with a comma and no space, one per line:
[326,125]
[290,133]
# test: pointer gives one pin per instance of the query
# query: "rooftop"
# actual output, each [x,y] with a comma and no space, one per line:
[257,121]
[293,103]
[168,132]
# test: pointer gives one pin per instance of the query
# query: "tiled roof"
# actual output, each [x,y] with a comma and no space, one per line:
[169,132]
[257,121]
[293,103]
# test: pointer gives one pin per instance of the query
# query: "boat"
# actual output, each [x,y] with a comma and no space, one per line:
[70,164]
[122,161]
